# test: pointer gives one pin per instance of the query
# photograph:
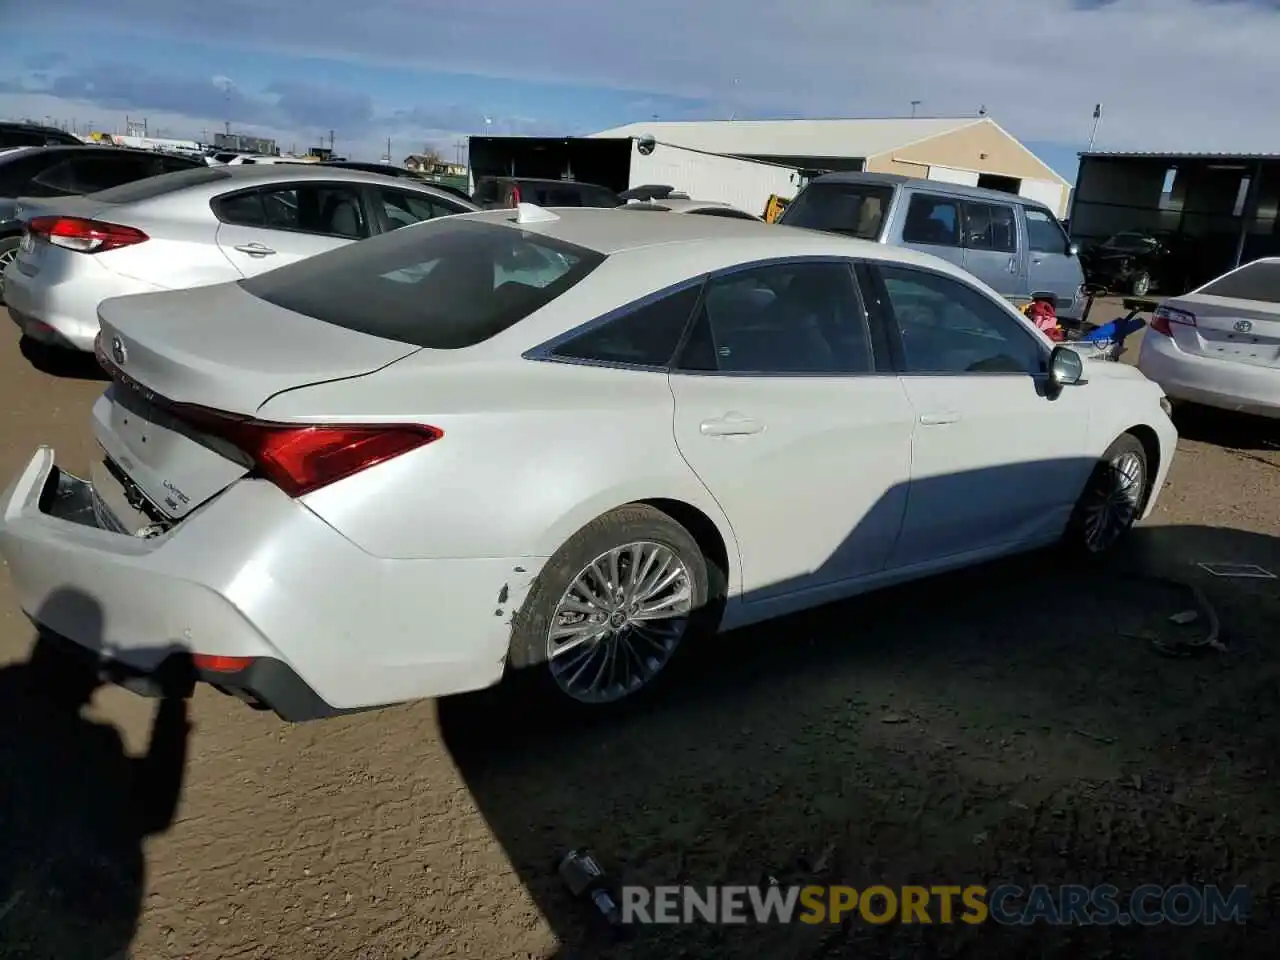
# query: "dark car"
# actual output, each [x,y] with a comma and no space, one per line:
[34,135]
[60,171]
[496,192]
[1137,262]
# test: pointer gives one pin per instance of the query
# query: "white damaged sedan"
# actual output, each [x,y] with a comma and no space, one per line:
[563,442]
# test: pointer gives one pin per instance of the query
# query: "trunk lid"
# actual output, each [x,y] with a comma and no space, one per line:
[213,347]
[1243,331]
[27,208]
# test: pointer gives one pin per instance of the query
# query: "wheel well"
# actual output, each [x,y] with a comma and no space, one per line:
[701,527]
[1151,447]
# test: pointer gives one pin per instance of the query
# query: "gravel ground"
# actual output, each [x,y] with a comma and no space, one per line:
[1010,724]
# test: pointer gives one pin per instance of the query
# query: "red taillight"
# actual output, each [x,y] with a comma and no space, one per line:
[84,236]
[217,663]
[300,458]
[515,196]
[1164,316]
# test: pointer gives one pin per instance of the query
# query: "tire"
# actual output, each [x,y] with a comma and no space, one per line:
[8,251]
[531,644]
[1112,499]
[1140,285]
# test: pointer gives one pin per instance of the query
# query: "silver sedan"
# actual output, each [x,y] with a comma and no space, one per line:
[192,228]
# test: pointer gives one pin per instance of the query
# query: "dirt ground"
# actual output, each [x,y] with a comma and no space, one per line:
[1009,724]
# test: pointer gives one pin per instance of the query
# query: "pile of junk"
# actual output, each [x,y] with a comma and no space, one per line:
[1106,341]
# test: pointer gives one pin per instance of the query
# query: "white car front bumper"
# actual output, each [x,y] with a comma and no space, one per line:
[255,574]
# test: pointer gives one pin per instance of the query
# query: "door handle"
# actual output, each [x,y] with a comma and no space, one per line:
[254,249]
[730,425]
[1037,259]
[939,419]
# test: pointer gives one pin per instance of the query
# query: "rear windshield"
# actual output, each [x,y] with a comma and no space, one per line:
[853,209]
[158,186]
[1257,281]
[443,284]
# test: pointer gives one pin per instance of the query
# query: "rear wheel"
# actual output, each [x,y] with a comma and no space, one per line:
[610,610]
[1113,498]
[8,254]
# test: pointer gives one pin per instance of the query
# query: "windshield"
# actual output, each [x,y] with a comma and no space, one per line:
[853,209]
[442,284]
[1135,242]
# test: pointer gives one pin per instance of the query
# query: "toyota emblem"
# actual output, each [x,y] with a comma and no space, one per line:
[118,352]
[1243,326]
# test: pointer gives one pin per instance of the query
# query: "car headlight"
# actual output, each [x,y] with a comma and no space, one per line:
[1167,407]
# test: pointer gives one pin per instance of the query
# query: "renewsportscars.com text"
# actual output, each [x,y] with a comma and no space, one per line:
[1010,905]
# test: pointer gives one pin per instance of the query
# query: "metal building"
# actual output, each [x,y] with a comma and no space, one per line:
[975,151]
[1222,206]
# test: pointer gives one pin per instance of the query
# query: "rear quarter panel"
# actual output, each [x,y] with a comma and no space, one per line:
[532,451]
[181,251]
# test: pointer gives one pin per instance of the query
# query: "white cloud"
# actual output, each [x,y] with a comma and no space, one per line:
[1171,74]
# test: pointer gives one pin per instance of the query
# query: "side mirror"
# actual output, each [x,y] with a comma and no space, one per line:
[1066,369]
[1073,250]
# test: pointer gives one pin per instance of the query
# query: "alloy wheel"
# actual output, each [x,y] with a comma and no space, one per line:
[6,257]
[619,622]
[1115,501]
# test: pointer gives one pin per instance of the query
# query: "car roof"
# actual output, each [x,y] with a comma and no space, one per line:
[61,150]
[302,170]
[933,186]
[614,230]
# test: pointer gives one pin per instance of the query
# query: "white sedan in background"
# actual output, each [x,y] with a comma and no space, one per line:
[558,442]
[191,228]
[1219,345]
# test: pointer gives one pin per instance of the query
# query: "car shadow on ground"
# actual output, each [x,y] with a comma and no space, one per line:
[1012,723]
[75,808]
[1238,431]
[67,364]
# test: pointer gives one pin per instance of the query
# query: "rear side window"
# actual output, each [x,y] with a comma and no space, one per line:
[1044,234]
[932,220]
[1259,280]
[990,226]
[646,335]
[165,183]
[853,209]
[444,284]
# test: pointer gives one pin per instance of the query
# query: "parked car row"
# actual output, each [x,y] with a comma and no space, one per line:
[364,443]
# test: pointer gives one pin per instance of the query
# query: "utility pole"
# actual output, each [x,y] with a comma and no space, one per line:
[458,148]
[1097,121]
[330,141]
[914,104]
[387,157]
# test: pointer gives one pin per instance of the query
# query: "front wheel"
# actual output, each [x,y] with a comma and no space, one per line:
[608,613]
[1112,500]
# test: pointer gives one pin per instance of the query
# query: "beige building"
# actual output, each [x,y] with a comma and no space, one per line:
[975,151]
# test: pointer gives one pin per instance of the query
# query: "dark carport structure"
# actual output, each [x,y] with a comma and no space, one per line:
[1219,208]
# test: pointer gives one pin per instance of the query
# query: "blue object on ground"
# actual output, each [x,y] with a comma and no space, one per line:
[1116,331]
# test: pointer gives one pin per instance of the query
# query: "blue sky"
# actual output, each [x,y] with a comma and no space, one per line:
[1172,74]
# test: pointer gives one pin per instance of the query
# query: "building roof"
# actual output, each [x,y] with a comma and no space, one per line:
[795,138]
